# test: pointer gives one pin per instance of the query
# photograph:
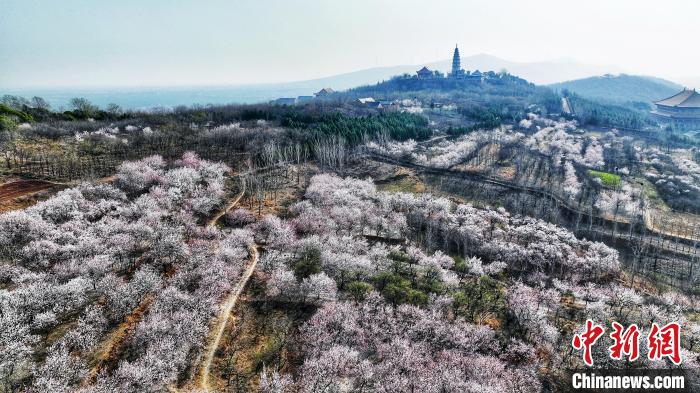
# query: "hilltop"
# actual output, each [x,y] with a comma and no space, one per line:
[621,88]
[540,72]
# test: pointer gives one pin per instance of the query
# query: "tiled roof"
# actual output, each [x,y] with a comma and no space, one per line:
[684,99]
[325,90]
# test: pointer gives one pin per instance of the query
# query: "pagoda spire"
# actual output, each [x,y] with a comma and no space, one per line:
[456,63]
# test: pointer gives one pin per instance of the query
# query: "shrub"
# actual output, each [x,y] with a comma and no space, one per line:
[308,264]
[359,290]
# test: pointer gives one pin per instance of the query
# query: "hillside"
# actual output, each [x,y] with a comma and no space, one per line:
[621,88]
[500,97]
[271,258]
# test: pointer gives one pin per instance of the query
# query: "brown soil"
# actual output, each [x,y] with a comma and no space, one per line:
[263,335]
[108,354]
[16,194]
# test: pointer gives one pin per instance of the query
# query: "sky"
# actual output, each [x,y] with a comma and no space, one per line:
[100,43]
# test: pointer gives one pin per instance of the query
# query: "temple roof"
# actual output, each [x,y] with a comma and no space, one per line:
[424,69]
[324,91]
[685,99]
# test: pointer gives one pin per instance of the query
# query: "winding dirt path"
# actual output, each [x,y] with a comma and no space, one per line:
[231,301]
[224,317]
[114,345]
[652,226]
[230,206]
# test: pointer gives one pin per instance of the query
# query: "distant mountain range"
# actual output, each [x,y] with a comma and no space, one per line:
[621,88]
[542,73]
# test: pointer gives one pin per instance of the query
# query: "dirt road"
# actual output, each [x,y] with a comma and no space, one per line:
[230,206]
[224,317]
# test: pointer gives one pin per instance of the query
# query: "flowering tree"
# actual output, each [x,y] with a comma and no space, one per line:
[93,254]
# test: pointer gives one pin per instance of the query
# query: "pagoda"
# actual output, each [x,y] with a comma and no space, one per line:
[682,107]
[457,71]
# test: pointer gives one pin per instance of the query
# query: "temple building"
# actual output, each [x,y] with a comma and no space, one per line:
[457,71]
[424,73]
[326,91]
[683,107]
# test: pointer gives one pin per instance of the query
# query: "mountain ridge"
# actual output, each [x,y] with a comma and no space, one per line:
[541,73]
[621,88]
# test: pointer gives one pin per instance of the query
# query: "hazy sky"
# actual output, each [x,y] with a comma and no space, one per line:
[185,42]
